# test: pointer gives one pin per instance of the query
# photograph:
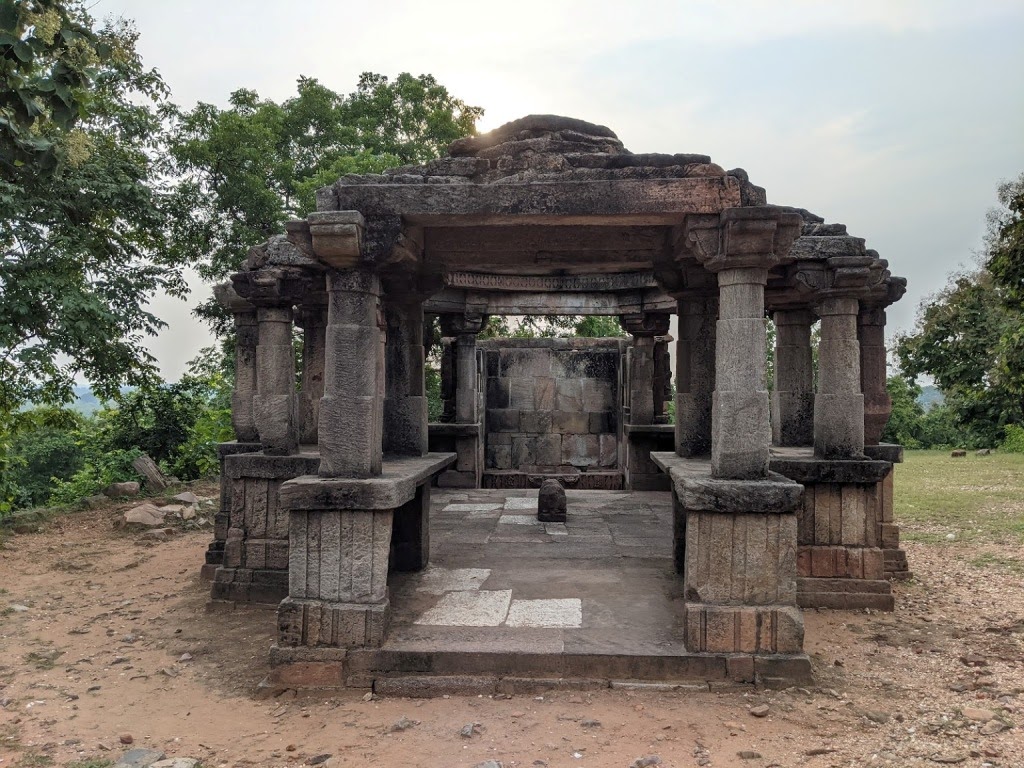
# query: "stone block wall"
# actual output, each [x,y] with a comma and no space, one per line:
[254,566]
[552,405]
[840,560]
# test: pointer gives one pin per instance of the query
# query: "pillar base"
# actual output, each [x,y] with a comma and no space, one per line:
[254,564]
[314,623]
[762,629]
[736,543]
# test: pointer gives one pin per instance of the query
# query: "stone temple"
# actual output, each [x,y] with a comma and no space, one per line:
[708,534]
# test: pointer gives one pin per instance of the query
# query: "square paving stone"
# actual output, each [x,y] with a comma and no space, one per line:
[555,613]
[520,504]
[436,580]
[519,520]
[469,609]
[472,508]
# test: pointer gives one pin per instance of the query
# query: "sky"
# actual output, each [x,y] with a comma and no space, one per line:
[898,118]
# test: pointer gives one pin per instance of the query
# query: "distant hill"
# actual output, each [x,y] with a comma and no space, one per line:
[85,401]
[930,396]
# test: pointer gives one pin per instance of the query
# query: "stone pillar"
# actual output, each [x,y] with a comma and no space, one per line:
[741,428]
[877,403]
[405,402]
[695,374]
[839,404]
[351,411]
[447,380]
[312,318]
[242,419]
[662,378]
[464,328]
[643,327]
[246,340]
[793,393]
[468,469]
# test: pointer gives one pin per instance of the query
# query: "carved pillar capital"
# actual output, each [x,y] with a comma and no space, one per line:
[470,323]
[746,237]
[646,324]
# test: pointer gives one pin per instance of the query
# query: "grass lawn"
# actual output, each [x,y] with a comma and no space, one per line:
[977,498]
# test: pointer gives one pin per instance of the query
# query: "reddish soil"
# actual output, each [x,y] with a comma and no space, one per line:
[117,640]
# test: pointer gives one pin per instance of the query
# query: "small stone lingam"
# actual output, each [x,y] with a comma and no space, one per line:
[551,502]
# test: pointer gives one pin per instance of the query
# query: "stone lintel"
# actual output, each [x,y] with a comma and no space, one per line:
[453,429]
[811,470]
[561,202]
[391,489]
[649,429]
[885,452]
[698,491]
[260,465]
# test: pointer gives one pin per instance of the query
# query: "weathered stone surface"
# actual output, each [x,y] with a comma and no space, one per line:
[697,490]
[551,503]
[139,758]
[812,470]
[145,515]
[121,489]
[393,487]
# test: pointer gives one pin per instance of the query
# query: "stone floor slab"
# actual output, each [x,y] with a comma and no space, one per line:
[469,609]
[437,581]
[519,520]
[473,508]
[521,504]
[550,613]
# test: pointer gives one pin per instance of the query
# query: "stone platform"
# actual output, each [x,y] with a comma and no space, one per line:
[511,604]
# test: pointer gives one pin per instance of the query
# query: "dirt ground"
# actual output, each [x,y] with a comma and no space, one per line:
[116,641]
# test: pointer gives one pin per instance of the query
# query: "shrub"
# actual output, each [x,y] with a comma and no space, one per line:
[1014,440]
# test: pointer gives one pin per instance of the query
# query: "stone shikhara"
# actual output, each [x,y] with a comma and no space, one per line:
[783,499]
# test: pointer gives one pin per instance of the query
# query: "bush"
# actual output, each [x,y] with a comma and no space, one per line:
[98,472]
[43,457]
[1014,440]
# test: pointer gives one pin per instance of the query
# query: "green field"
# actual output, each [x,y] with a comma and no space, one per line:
[976,498]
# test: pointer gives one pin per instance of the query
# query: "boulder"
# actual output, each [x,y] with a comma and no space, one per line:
[187,498]
[115,490]
[145,515]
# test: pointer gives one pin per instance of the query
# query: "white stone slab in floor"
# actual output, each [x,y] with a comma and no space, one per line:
[518,520]
[469,609]
[472,508]
[437,581]
[555,613]
[518,503]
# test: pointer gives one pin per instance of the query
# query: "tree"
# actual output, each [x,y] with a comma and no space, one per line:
[245,170]
[970,337]
[82,215]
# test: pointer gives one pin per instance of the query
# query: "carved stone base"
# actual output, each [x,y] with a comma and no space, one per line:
[763,629]
[313,623]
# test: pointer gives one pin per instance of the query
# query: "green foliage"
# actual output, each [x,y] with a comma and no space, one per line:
[81,213]
[553,326]
[970,337]
[99,470]
[432,379]
[1014,440]
[903,427]
[243,171]
[177,425]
